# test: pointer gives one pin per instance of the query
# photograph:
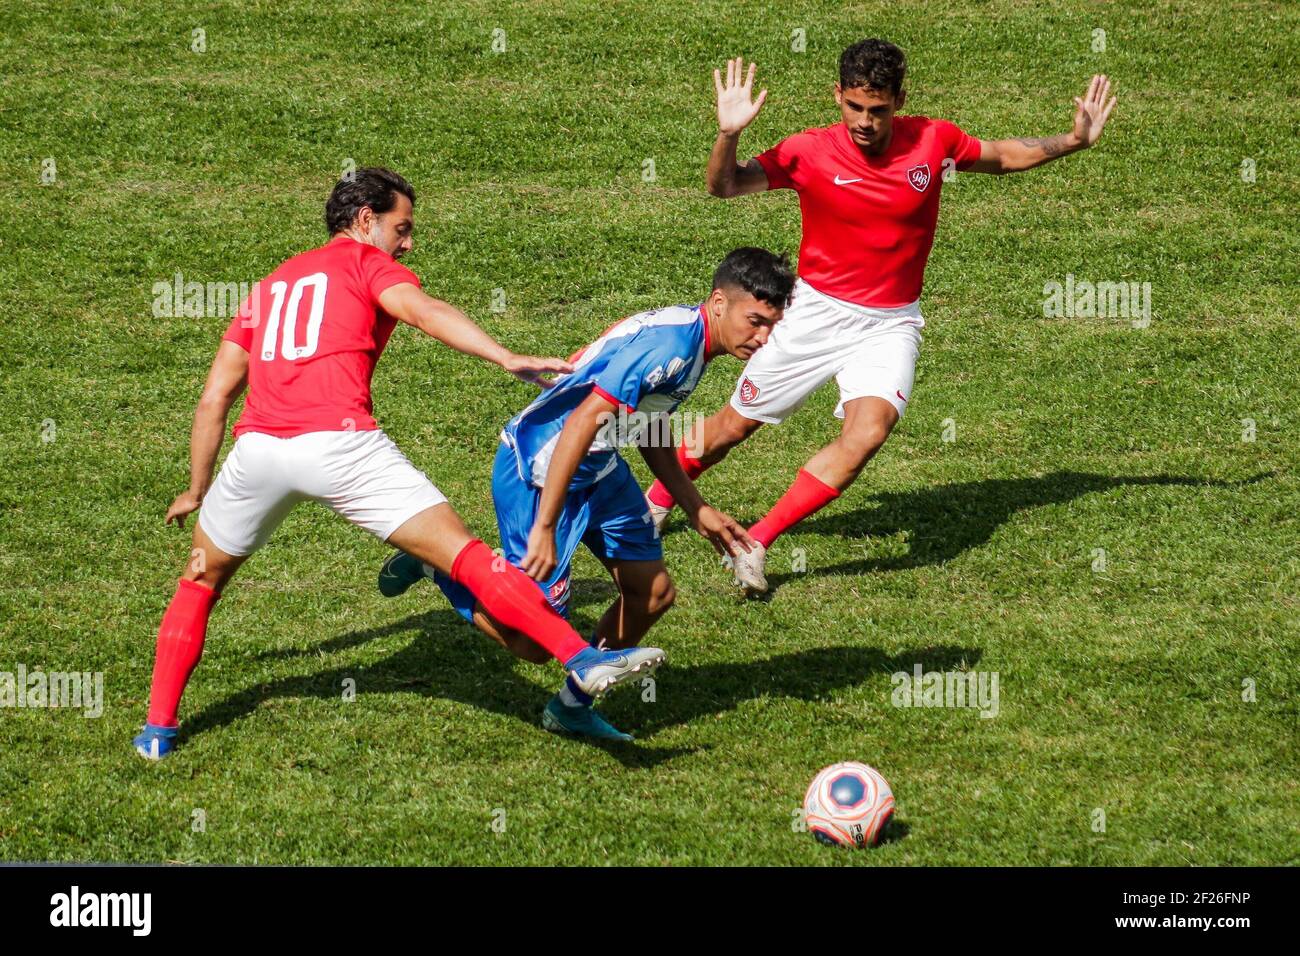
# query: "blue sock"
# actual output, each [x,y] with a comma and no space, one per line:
[571,696]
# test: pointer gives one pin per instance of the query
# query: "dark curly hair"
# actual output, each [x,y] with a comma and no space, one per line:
[873,65]
[372,186]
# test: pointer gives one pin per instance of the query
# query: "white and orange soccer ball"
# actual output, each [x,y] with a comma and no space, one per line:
[848,804]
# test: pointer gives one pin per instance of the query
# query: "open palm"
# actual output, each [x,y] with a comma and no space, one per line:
[735,108]
[1092,110]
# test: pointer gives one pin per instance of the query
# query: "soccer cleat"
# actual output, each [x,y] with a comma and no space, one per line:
[154,742]
[596,671]
[399,572]
[579,722]
[658,514]
[748,568]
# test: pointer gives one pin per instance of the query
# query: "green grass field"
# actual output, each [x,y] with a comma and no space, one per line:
[1120,689]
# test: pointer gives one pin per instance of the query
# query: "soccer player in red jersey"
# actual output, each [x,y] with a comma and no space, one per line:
[868,191]
[305,344]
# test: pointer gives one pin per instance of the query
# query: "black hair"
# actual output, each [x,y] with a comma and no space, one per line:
[372,186]
[874,65]
[764,275]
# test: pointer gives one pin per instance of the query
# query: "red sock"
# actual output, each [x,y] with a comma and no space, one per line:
[514,599]
[806,495]
[693,468]
[180,645]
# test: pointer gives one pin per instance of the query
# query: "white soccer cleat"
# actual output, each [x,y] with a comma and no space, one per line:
[596,671]
[748,567]
[658,514]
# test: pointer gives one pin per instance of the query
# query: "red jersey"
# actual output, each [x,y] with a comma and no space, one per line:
[868,222]
[313,330]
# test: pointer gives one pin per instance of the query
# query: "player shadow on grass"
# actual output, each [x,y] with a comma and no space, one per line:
[449,660]
[942,521]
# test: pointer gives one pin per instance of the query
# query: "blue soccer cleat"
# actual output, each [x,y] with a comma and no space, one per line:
[596,671]
[154,742]
[579,721]
[399,572]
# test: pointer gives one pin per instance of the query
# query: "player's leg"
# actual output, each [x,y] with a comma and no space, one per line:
[516,505]
[401,571]
[875,379]
[645,593]
[245,504]
[620,534]
[397,502]
[437,538]
[868,422]
[800,356]
[513,602]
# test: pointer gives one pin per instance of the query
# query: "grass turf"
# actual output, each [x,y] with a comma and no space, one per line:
[1121,690]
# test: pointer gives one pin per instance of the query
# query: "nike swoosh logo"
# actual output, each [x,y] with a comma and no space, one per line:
[845,182]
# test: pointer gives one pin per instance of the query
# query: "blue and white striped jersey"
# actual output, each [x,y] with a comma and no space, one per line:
[647,364]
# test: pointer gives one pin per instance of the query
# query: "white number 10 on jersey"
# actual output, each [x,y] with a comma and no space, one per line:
[289,347]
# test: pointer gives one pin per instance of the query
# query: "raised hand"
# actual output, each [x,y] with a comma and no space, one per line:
[735,108]
[1092,110]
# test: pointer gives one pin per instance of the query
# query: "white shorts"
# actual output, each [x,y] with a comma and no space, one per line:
[360,475]
[868,351]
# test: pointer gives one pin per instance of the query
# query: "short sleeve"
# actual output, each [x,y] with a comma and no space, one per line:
[380,271]
[780,162]
[635,370]
[240,330]
[963,148]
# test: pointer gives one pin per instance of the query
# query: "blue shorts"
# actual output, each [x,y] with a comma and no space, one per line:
[609,517]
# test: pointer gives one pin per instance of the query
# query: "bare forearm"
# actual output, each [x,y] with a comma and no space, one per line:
[205,442]
[722,165]
[574,442]
[663,463]
[1027,152]
[453,328]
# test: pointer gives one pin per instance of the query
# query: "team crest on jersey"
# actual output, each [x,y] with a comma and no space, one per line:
[919,177]
[748,391]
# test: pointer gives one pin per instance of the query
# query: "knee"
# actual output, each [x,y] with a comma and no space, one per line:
[661,596]
[864,442]
[732,429]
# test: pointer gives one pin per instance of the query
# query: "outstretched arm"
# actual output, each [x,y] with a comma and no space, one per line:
[1016,155]
[735,111]
[226,380]
[450,326]
[724,532]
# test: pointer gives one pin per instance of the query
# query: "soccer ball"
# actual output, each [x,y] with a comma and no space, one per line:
[848,804]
